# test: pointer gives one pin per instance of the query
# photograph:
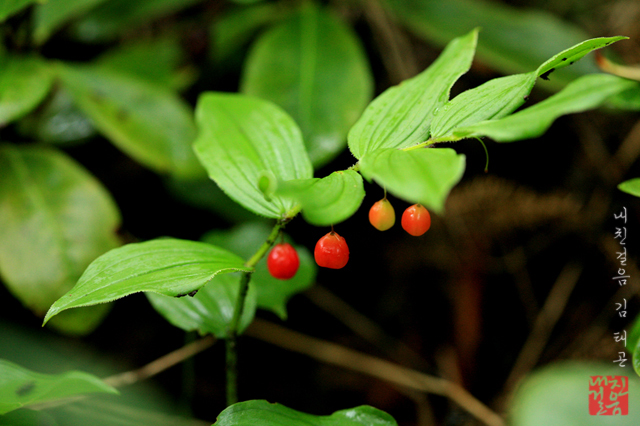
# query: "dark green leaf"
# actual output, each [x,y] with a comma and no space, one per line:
[636,357]
[24,82]
[401,116]
[326,201]
[56,219]
[20,387]
[9,7]
[240,139]
[558,395]
[272,293]
[313,66]
[167,266]
[424,175]
[52,14]
[585,93]
[263,413]
[210,310]
[27,417]
[148,122]
[631,186]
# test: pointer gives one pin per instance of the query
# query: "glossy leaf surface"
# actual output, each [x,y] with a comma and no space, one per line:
[149,123]
[424,175]
[260,412]
[240,139]
[24,83]
[585,93]
[314,67]
[167,266]
[327,201]
[272,293]
[210,310]
[56,219]
[631,186]
[20,387]
[401,116]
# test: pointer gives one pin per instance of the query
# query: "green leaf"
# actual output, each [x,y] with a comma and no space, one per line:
[27,417]
[56,219]
[52,14]
[313,66]
[167,266]
[631,186]
[10,7]
[424,175]
[20,387]
[501,96]
[272,293]
[114,17]
[240,138]
[148,122]
[585,93]
[326,201]
[401,116]
[514,40]
[263,413]
[210,310]
[24,83]
[558,395]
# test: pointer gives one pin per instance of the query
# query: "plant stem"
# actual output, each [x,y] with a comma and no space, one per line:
[231,341]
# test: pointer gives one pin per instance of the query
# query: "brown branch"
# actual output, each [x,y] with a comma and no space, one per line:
[341,356]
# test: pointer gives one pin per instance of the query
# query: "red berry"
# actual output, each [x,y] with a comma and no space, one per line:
[331,251]
[382,216]
[416,220]
[283,261]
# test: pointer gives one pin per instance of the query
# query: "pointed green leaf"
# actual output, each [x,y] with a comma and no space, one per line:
[636,357]
[424,175]
[10,7]
[314,67]
[56,219]
[148,122]
[585,93]
[501,96]
[272,293]
[24,83]
[631,186]
[52,14]
[327,201]
[240,139]
[210,310]
[167,266]
[263,413]
[401,116]
[20,387]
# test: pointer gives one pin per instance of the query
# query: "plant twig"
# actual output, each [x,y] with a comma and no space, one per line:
[332,353]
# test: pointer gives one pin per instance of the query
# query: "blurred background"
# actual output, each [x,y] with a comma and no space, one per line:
[514,278]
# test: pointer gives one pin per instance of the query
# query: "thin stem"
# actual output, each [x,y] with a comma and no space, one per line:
[231,342]
[486,153]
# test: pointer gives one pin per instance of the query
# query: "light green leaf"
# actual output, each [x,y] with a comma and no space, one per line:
[10,7]
[24,83]
[20,387]
[148,122]
[585,93]
[314,67]
[52,14]
[636,357]
[401,116]
[558,395]
[263,413]
[326,201]
[210,310]
[272,293]
[167,266]
[56,219]
[424,175]
[631,186]
[513,40]
[240,138]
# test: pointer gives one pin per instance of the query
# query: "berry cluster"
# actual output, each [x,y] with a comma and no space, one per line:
[415,219]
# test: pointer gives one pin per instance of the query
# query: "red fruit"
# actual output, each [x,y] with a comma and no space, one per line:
[283,261]
[381,215]
[331,251]
[416,220]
